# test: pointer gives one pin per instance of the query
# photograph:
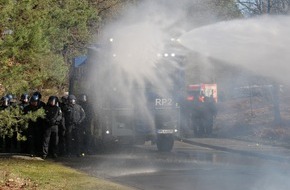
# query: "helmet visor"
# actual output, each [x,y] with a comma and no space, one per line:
[72,101]
[52,102]
[5,102]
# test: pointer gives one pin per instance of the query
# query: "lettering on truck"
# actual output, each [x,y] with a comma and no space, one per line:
[163,102]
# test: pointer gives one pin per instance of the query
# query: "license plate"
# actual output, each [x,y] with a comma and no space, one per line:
[165,131]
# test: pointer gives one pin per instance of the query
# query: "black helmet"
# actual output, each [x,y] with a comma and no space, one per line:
[34,98]
[12,98]
[57,101]
[52,101]
[37,94]
[9,96]
[5,101]
[64,99]
[72,99]
[24,98]
[83,98]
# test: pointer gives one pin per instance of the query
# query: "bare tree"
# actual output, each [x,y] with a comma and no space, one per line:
[270,7]
[259,7]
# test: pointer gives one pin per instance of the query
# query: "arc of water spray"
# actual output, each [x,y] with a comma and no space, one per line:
[259,44]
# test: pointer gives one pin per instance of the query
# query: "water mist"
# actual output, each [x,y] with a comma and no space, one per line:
[259,44]
[139,40]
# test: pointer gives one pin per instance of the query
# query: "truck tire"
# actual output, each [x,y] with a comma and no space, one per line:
[165,143]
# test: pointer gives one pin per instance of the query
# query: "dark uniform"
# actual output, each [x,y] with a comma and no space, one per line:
[12,100]
[74,115]
[210,114]
[198,116]
[61,127]
[86,125]
[24,101]
[4,103]
[11,141]
[34,132]
[53,116]
[41,104]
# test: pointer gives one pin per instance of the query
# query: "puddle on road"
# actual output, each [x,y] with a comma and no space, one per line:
[219,157]
[148,162]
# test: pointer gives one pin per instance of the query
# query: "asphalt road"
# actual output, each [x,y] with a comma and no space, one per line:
[201,165]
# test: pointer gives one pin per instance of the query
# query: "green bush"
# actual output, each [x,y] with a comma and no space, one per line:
[13,120]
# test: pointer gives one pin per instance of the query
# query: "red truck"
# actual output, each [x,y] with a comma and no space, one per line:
[207,90]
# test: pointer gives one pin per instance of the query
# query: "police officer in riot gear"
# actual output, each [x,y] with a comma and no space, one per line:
[83,98]
[34,132]
[87,143]
[74,115]
[5,102]
[10,141]
[12,99]
[197,114]
[37,93]
[33,104]
[210,114]
[61,127]
[53,117]
[24,101]
[64,100]
[41,104]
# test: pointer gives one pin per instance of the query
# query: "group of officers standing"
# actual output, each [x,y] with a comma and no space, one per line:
[200,111]
[64,130]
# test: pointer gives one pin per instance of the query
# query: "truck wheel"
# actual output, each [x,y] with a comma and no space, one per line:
[165,143]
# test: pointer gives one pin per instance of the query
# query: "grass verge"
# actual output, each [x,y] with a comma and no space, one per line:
[36,174]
